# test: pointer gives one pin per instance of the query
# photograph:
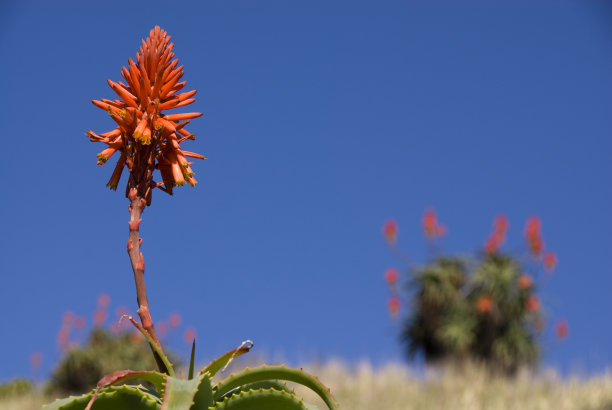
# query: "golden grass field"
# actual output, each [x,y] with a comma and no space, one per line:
[394,387]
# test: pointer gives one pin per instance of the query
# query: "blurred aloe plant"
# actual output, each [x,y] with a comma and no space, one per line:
[148,140]
[483,307]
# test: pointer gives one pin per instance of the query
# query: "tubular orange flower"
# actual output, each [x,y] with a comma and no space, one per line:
[389,231]
[391,276]
[501,224]
[394,306]
[561,329]
[147,138]
[431,227]
[524,282]
[533,303]
[550,260]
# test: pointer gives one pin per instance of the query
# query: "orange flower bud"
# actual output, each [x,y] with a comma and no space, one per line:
[390,231]
[394,306]
[533,303]
[484,304]
[524,282]
[391,276]
[561,329]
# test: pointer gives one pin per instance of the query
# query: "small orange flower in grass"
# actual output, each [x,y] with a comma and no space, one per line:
[533,303]
[550,260]
[391,276]
[561,329]
[146,138]
[390,231]
[484,304]
[394,305]
[524,282]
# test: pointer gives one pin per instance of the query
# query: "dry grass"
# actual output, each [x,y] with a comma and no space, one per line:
[394,387]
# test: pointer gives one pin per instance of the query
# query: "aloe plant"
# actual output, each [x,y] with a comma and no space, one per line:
[259,388]
[148,140]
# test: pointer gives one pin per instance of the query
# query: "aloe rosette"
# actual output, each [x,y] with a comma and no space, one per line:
[259,388]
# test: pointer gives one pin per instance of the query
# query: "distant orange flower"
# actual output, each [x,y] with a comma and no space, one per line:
[103,300]
[394,306]
[533,227]
[533,234]
[391,276]
[36,360]
[390,231]
[79,322]
[146,138]
[99,317]
[68,317]
[533,303]
[494,241]
[175,320]
[525,282]
[561,329]
[189,335]
[62,337]
[501,224]
[162,328]
[484,304]
[550,260]
[431,227]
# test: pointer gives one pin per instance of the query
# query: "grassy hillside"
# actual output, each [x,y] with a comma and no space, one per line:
[394,387]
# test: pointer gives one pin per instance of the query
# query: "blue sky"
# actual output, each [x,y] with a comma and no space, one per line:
[321,120]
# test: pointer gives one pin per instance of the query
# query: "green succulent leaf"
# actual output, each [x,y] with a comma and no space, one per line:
[213,367]
[111,398]
[266,384]
[262,373]
[263,399]
[204,396]
[193,394]
[191,360]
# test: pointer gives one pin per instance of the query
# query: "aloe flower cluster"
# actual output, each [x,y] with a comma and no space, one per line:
[145,137]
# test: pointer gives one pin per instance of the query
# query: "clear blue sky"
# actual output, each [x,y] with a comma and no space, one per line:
[321,120]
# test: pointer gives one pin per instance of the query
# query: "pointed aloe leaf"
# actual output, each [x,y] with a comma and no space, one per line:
[157,379]
[204,396]
[191,360]
[188,394]
[275,373]
[264,399]
[217,364]
[112,398]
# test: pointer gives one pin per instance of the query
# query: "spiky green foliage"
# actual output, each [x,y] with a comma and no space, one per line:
[81,367]
[251,389]
[449,320]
